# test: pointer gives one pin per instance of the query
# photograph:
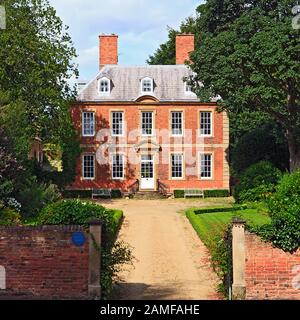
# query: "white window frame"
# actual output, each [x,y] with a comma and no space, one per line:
[112,166]
[152,124]
[104,93]
[211,165]
[142,86]
[82,123]
[211,123]
[83,166]
[171,166]
[112,123]
[182,123]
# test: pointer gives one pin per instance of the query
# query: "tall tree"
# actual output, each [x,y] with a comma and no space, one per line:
[10,168]
[166,53]
[36,55]
[249,56]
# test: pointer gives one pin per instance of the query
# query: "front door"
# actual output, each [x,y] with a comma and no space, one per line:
[147,172]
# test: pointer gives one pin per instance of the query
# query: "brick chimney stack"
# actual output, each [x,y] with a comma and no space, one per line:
[185,44]
[108,49]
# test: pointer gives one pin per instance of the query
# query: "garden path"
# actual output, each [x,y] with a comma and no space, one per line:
[171,262]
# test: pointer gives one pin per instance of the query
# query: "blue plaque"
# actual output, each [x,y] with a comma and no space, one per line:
[78,238]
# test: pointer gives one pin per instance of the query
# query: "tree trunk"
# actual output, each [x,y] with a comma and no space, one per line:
[294,150]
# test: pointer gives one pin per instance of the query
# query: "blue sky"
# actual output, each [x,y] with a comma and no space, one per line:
[140,24]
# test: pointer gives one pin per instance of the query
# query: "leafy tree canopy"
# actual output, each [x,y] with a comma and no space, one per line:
[249,55]
[36,55]
[166,53]
[36,61]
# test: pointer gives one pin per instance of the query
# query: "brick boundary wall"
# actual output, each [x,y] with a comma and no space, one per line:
[260,270]
[44,262]
[270,273]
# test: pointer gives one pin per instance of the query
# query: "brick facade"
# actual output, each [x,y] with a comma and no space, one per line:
[217,145]
[121,89]
[270,273]
[43,261]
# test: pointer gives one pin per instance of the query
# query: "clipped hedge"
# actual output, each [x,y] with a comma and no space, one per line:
[220,209]
[80,194]
[216,193]
[178,193]
[85,194]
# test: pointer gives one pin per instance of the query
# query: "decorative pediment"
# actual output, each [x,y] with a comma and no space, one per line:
[147,145]
[146,99]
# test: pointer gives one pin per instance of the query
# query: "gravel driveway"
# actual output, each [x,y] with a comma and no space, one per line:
[170,260]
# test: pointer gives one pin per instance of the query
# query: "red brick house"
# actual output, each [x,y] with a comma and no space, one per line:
[142,127]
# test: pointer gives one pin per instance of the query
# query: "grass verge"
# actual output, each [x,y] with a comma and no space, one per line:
[211,228]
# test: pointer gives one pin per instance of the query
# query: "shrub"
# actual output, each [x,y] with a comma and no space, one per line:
[82,194]
[113,254]
[284,208]
[9,216]
[218,193]
[257,182]
[72,212]
[34,196]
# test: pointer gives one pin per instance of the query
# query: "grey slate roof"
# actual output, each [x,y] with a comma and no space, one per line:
[168,83]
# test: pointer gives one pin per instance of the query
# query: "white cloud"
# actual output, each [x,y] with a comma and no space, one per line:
[140,24]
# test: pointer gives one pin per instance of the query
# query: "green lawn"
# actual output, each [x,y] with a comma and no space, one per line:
[211,226]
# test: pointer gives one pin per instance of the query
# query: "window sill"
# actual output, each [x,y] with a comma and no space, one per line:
[118,135]
[176,135]
[206,136]
[88,136]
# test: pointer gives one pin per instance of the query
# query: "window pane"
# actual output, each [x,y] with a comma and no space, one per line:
[104,85]
[88,123]
[205,123]
[177,163]
[147,122]
[89,166]
[117,123]
[147,170]
[147,85]
[206,166]
[177,123]
[118,166]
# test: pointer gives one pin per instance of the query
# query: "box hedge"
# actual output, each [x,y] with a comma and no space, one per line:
[84,194]
[217,193]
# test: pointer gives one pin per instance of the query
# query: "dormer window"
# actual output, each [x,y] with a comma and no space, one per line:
[147,85]
[104,86]
[188,89]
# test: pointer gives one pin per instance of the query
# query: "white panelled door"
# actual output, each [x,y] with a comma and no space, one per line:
[147,172]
